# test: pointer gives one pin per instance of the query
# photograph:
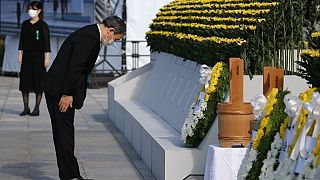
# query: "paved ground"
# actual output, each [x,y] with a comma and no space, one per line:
[26,145]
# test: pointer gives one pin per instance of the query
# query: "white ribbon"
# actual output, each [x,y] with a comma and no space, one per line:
[205,73]
[259,103]
[293,108]
[313,109]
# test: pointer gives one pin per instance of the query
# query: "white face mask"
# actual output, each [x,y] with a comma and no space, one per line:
[33,13]
[108,43]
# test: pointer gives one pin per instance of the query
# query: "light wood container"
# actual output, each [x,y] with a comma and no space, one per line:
[234,116]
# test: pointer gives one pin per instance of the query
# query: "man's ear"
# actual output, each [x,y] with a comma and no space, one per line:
[112,30]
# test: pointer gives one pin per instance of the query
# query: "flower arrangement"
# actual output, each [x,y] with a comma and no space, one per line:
[236,12]
[208,31]
[246,165]
[209,20]
[286,167]
[195,38]
[181,26]
[311,61]
[262,161]
[186,2]
[269,107]
[213,6]
[272,158]
[266,128]
[264,142]
[305,97]
[203,113]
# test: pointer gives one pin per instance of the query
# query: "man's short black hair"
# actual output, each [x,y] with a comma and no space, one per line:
[115,22]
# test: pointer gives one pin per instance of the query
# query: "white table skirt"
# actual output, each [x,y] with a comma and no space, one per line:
[223,163]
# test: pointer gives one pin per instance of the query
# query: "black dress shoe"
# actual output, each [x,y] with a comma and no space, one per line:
[35,113]
[25,112]
[81,178]
[78,178]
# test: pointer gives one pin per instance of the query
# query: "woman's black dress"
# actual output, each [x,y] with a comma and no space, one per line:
[34,41]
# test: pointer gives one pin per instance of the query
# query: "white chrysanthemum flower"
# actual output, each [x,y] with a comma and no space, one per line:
[310,171]
[200,115]
[195,118]
[315,173]
[246,164]
[203,106]
[267,170]
[286,169]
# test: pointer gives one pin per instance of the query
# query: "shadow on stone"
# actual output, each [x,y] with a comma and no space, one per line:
[23,170]
[12,111]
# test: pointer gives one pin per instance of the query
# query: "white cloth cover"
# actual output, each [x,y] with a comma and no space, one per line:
[223,163]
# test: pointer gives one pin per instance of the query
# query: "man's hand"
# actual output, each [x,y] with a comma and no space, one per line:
[46,62]
[65,102]
[20,56]
[46,59]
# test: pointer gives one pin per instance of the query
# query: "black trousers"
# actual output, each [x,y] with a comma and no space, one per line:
[63,138]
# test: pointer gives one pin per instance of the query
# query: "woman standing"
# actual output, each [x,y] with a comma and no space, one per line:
[33,55]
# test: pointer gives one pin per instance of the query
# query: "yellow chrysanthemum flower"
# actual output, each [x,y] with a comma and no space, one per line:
[186,2]
[221,6]
[283,127]
[307,95]
[206,97]
[252,12]
[215,74]
[315,34]
[311,52]
[205,26]
[264,122]
[196,38]
[257,139]
[209,19]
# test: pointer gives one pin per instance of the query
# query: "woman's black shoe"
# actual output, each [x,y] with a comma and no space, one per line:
[25,112]
[35,113]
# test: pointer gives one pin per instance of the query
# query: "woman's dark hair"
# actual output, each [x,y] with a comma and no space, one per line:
[36,5]
[115,22]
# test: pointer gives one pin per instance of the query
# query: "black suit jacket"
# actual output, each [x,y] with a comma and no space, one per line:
[72,65]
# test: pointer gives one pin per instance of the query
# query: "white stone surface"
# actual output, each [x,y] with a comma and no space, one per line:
[150,104]
[149,107]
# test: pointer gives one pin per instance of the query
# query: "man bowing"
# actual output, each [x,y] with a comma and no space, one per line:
[66,82]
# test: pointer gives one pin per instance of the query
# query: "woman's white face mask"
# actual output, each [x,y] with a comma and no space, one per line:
[33,13]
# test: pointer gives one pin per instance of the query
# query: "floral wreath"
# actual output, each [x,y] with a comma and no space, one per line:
[202,113]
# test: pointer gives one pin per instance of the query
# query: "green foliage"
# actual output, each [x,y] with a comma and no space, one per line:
[271,44]
[218,96]
[312,15]
[310,63]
